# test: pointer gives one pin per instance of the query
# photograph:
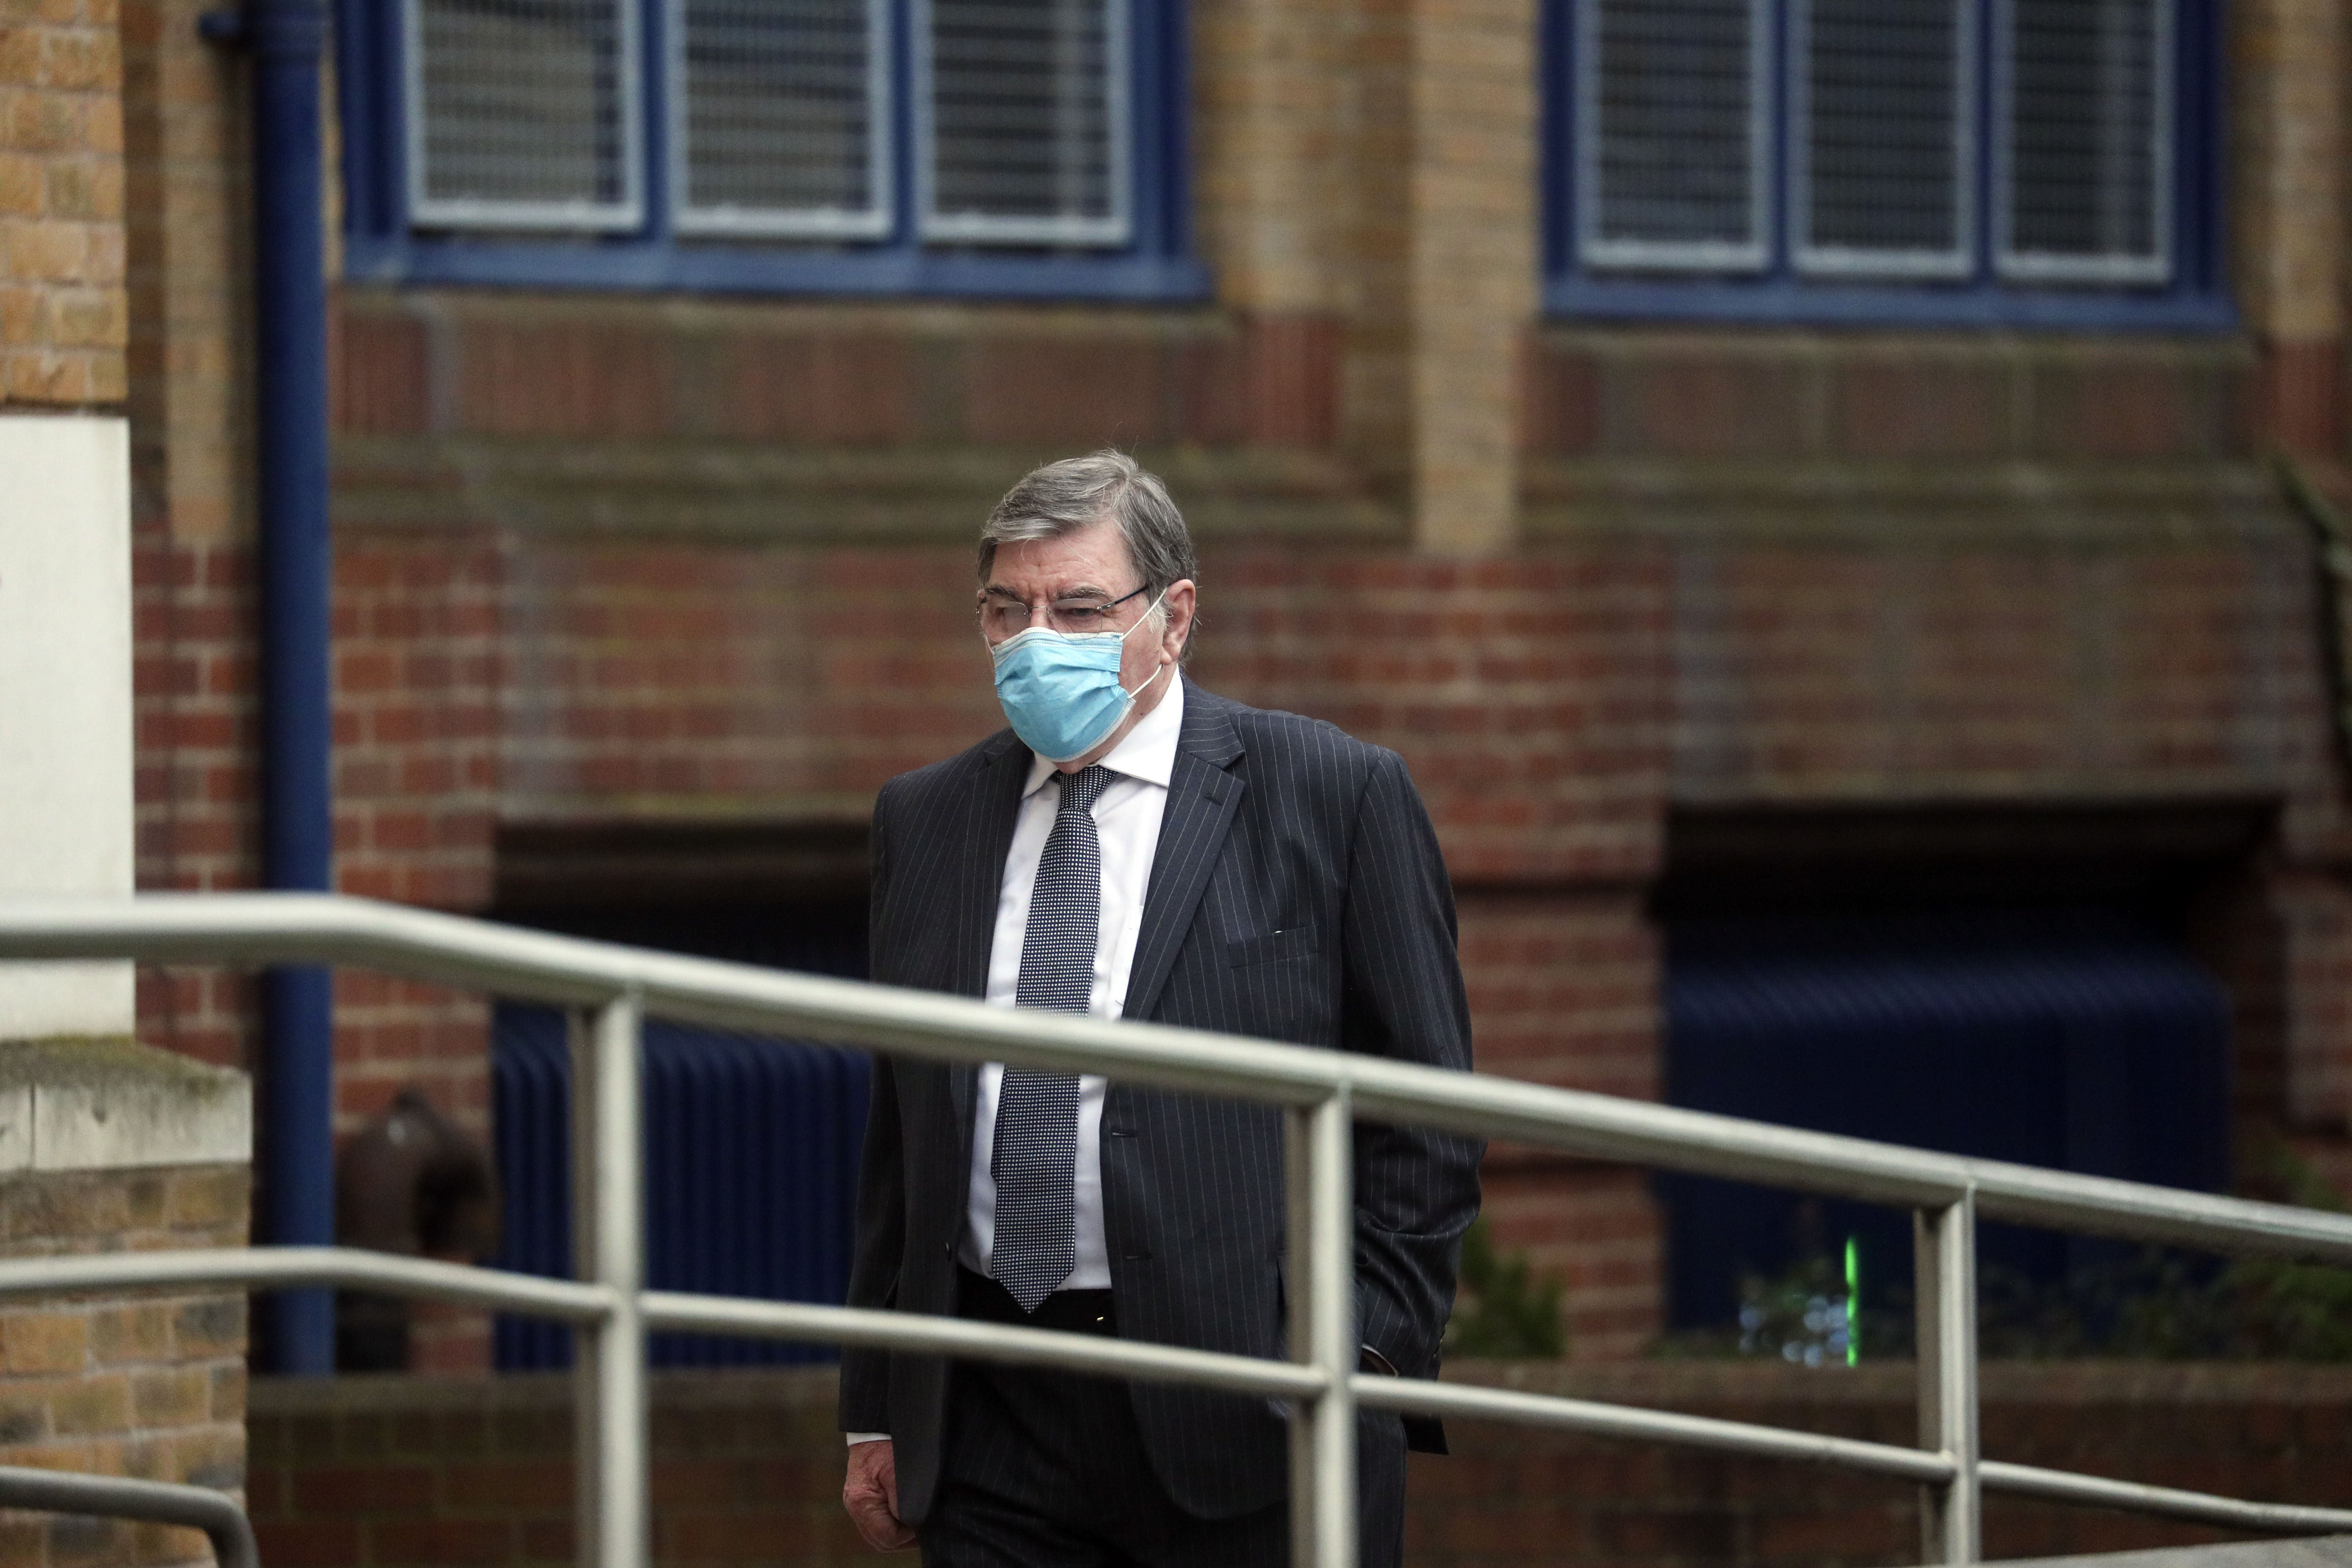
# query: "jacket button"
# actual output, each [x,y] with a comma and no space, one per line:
[947,1248]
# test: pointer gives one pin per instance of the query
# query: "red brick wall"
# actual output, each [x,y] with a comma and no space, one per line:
[1836,672]
[747,1467]
[1515,1496]
[197,731]
[415,626]
[416,721]
[724,680]
[417,684]
[1525,695]
[635,369]
[1628,391]
[1564,990]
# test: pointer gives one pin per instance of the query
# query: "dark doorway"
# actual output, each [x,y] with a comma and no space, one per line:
[2002,982]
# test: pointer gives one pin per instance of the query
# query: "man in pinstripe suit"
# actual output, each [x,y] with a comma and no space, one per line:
[1136,846]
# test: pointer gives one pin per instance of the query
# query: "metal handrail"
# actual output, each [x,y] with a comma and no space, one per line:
[120,1497]
[614,988]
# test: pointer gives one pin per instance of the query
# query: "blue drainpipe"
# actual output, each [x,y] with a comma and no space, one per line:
[286,39]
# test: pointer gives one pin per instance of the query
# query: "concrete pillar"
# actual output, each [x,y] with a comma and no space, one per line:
[65,701]
[65,504]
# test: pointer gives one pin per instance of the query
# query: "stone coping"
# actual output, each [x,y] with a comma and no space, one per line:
[94,1103]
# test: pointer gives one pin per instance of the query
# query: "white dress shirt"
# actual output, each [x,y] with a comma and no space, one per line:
[1126,824]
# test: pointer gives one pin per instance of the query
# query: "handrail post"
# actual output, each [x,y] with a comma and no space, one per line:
[1322,1306]
[608,1239]
[1944,1262]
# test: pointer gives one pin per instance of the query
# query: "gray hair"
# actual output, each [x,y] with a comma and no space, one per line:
[1108,486]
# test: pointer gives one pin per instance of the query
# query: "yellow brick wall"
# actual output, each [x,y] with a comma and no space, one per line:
[2290,173]
[63,312]
[151,1386]
[191,266]
[1276,104]
[1374,161]
[1473,263]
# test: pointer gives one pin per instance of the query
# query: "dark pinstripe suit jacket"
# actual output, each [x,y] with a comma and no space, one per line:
[1297,894]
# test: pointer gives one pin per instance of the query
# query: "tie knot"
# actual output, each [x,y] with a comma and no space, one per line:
[1080,790]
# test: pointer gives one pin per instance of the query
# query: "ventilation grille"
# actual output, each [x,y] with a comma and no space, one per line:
[521,113]
[778,109]
[1884,94]
[2088,90]
[1672,103]
[751,1177]
[1027,121]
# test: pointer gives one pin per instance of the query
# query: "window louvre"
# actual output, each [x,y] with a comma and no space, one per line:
[778,110]
[1022,121]
[1883,89]
[522,113]
[1672,97]
[2086,131]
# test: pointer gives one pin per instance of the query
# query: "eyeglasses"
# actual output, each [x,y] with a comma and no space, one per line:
[1003,617]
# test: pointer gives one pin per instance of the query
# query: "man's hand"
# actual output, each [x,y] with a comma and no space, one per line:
[870,1493]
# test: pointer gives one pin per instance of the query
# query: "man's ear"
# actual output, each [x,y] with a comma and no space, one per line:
[1181,601]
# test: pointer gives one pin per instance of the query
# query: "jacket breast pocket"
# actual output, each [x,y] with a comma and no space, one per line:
[1298,941]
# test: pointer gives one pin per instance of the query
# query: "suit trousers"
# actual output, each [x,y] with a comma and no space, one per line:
[1044,1468]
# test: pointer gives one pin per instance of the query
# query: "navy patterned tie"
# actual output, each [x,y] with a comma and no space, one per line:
[1036,1156]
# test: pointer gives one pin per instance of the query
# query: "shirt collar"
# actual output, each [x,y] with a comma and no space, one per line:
[1148,752]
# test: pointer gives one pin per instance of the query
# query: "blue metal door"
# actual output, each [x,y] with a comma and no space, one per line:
[751,1175]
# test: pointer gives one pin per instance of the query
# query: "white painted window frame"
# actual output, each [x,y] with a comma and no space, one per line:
[1848,261]
[1604,255]
[2014,266]
[1114,229]
[425,211]
[870,222]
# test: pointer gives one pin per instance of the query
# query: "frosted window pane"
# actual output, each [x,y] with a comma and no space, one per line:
[521,101]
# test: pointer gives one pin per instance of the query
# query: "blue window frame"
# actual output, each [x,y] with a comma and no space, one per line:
[972,148]
[2011,162]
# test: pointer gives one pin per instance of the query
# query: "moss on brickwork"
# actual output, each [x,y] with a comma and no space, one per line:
[85,1102]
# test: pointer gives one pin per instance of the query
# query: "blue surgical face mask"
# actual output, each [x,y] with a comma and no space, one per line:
[1060,690]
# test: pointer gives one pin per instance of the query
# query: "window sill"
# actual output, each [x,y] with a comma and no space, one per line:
[653,265]
[1783,301]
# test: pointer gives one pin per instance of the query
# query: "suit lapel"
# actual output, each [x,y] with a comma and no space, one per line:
[1202,795]
[990,814]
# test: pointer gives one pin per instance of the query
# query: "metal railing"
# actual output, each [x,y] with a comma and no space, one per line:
[1322,1093]
[120,1497]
